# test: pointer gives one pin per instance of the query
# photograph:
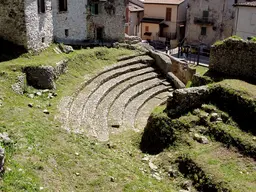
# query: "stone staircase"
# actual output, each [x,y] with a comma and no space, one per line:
[120,97]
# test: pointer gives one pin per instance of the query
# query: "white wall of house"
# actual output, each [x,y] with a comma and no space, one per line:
[245,22]
[39,26]
[73,21]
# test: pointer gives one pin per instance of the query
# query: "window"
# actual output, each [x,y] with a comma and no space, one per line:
[146,28]
[203,30]
[205,15]
[41,6]
[66,32]
[63,5]
[95,9]
[168,14]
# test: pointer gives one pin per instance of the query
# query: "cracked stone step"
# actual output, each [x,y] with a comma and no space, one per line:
[145,111]
[134,106]
[77,106]
[118,107]
[96,97]
[100,120]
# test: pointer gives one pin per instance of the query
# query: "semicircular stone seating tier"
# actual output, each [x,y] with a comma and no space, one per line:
[118,98]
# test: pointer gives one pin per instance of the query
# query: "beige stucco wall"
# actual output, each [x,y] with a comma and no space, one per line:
[153,28]
[245,22]
[134,21]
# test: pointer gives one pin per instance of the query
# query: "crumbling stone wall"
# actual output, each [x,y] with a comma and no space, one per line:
[73,20]
[111,18]
[39,26]
[234,58]
[12,21]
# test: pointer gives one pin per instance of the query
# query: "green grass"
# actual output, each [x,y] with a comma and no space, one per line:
[246,89]
[46,156]
[201,70]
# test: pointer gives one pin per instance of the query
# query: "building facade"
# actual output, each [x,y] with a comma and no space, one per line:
[34,24]
[134,14]
[245,20]
[209,21]
[164,20]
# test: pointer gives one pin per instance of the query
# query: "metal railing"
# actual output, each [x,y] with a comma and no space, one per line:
[203,20]
[171,36]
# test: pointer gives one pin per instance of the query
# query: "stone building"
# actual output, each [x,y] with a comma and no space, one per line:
[27,22]
[106,19]
[209,21]
[34,24]
[69,21]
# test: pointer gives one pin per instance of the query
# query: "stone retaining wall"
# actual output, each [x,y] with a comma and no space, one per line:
[43,77]
[182,70]
[235,58]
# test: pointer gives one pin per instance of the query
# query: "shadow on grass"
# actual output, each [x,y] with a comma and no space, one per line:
[9,50]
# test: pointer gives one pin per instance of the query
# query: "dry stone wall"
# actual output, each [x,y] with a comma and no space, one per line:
[236,58]
[12,21]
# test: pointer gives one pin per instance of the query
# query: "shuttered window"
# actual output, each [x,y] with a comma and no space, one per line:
[41,6]
[168,14]
[146,28]
[95,9]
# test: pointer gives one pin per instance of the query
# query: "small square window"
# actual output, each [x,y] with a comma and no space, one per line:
[203,31]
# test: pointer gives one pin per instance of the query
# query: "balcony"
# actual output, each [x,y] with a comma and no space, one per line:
[203,20]
[171,36]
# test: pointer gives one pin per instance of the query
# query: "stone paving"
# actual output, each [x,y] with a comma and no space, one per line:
[118,98]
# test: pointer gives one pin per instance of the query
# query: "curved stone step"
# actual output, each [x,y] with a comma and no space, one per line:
[75,112]
[118,107]
[134,106]
[141,118]
[96,97]
[99,122]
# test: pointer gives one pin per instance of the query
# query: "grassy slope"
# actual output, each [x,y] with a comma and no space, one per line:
[46,156]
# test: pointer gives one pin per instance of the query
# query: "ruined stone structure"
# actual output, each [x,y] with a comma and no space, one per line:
[22,24]
[209,21]
[234,58]
[34,24]
[106,19]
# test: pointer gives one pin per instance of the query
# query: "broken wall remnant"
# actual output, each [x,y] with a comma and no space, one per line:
[106,20]
[235,58]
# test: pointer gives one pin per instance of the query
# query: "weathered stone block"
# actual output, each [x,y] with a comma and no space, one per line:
[186,99]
